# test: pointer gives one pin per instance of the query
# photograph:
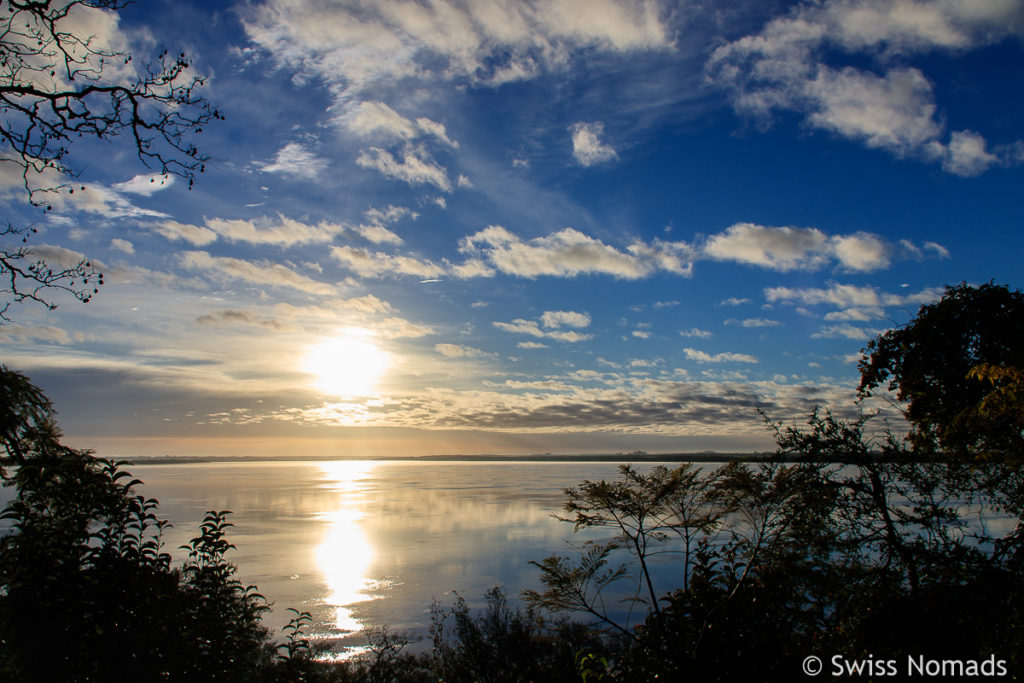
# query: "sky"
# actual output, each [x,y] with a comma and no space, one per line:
[499,226]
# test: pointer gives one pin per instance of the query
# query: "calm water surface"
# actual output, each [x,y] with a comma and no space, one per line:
[374,543]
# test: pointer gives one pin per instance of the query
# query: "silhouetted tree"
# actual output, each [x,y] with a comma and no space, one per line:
[950,364]
[59,84]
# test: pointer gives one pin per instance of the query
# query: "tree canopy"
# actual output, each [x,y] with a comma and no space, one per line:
[950,364]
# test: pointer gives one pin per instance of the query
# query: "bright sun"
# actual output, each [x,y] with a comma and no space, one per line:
[347,365]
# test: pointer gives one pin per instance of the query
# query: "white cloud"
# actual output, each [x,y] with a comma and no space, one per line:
[570,252]
[966,154]
[193,234]
[460,351]
[641,334]
[295,159]
[377,119]
[781,249]
[860,315]
[351,44]
[416,166]
[567,318]
[532,328]
[787,248]
[146,185]
[696,332]
[849,296]
[281,231]
[861,252]
[587,147]
[784,68]
[122,245]
[263,274]
[377,234]
[704,357]
[376,264]
[759,322]
[735,301]
[845,332]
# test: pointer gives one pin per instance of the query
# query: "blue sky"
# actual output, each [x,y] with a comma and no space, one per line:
[515,227]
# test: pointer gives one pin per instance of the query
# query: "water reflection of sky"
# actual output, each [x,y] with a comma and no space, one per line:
[360,544]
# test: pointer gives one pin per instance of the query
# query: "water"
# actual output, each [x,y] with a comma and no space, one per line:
[364,543]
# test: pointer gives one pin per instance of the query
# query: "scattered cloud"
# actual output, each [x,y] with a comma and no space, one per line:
[696,332]
[122,245]
[787,249]
[565,318]
[569,252]
[460,351]
[549,326]
[587,147]
[416,166]
[295,159]
[786,67]
[146,185]
[193,234]
[377,264]
[378,120]
[262,274]
[725,357]
[279,231]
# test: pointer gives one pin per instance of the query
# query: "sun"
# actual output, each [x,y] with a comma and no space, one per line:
[349,364]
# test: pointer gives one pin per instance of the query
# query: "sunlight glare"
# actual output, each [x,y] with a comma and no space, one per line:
[349,364]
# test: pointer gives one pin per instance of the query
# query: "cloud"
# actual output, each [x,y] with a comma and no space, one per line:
[122,245]
[704,357]
[787,248]
[295,159]
[282,231]
[351,44]
[756,322]
[696,332]
[376,119]
[551,319]
[416,166]
[376,264]
[569,252]
[735,301]
[230,317]
[587,147]
[845,332]
[192,234]
[966,154]
[781,249]
[460,351]
[566,318]
[850,296]
[785,68]
[147,184]
[264,274]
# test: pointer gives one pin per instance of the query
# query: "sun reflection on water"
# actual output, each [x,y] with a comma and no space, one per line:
[345,553]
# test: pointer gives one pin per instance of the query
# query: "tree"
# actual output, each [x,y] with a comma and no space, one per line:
[949,365]
[86,589]
[59,84]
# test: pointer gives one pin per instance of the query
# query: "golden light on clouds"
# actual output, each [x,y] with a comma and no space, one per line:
[348,364]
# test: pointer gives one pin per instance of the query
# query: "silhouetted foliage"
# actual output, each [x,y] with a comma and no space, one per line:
[950,364]
[86,590]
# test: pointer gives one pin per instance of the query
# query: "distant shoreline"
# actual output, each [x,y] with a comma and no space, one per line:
[633,457]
